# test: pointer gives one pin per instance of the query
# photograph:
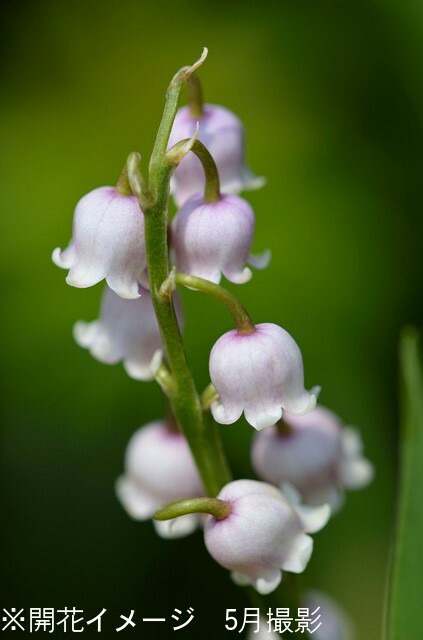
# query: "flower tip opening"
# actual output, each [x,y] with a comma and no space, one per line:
[300,554]
[79,281]
[264,420]
[84,332]
[241,277]
[308,404]
[257,182]
[137,371]
[260,260]
[314,518]
[126,289]
[57,258]
[315,391]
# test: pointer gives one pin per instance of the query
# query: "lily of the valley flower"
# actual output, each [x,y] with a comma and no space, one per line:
[263,534]
[159,468]
[107,242]
[222,133]
[315,453]
[126,331]
[260,374]
[215,238]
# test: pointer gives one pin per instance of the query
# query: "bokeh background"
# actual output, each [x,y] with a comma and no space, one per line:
[331,96]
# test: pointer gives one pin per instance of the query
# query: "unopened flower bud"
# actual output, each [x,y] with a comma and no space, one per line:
[263,533]
[126,331]
[315,454]
[260,374]
[107,242]
[222,133]
[214,238]
[159,468]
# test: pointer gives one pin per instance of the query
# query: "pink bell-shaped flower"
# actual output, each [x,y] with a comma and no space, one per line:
[107,242]
[221,131]
[159,468]
[315,454]
[263,533]
[126,331]
[215,238]
[260,374]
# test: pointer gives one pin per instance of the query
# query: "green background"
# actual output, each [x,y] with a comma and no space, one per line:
[331,97]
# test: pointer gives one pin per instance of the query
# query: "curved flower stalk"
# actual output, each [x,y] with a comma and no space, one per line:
[107,243]
[333,624]
[126,331]
[263,534]
[212,233]
[159,467]
[315,453]
[221,131]
[215,238]
[259,373]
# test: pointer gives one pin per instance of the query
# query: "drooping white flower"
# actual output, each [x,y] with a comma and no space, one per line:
[315,453]
[263,533]
[126,331]
[221,131]
[215,238]
[159,468]
[107,242]
[333,623]
[260,373]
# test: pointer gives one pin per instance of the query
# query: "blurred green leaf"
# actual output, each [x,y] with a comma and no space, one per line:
[404,616]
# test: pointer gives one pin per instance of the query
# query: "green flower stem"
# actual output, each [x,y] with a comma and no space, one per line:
[203,440]
[171,105]
[195,96]
[242,318]
[215,507]
[179,150]
[201,432]
[122,185]
[172,423]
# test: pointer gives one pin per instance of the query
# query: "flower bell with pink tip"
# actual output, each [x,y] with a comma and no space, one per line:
[264,533]
[315,453]
[107,243]
[126,331]
[259,373]
[159,468]
[215,238]
[222,133]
